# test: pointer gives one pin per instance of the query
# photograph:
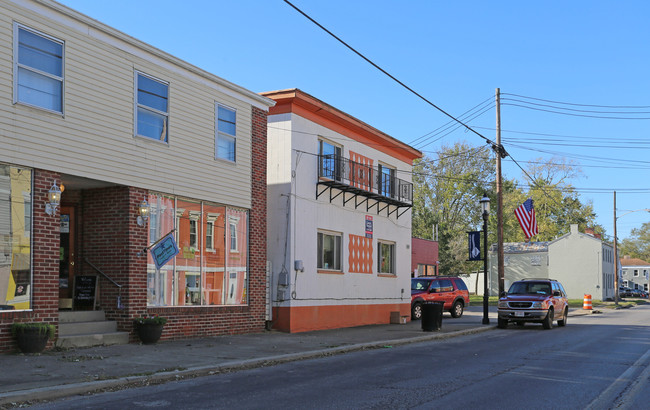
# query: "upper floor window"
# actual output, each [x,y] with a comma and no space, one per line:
[232,227]
[636,272]
[209,235]
[38,69]
[226,133]
[386,183]
[330,160]
[152,107]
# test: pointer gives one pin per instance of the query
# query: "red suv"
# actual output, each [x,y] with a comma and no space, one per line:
[448,289]
[533,300]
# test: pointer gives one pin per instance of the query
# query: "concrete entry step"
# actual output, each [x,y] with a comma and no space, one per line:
[88,328]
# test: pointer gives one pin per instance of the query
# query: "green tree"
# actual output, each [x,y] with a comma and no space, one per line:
[447,188]
[556,202]
[638,244]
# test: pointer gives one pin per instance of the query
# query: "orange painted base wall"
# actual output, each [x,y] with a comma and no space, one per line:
[306,318]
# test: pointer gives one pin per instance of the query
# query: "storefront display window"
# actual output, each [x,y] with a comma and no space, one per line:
[206,271]
[15,238]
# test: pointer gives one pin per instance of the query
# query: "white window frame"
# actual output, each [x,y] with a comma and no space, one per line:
[211,218]
[233,221]
[636,272]
[18,66]
[338,155]
[393,247]
[392,182]
[153,110]
[219,134]
[338,257]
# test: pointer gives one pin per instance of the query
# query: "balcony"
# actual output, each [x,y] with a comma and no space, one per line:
[363,184]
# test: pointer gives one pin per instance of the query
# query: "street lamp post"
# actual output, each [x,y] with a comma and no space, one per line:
[485,207]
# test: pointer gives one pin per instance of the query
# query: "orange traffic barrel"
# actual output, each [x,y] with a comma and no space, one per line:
[587,303]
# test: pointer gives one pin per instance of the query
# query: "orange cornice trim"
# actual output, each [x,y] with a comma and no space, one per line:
[300,103]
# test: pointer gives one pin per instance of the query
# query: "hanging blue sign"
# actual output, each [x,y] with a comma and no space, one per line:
[164,250]
[474,245]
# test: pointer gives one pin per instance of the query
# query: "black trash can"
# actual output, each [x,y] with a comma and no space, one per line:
[432,316]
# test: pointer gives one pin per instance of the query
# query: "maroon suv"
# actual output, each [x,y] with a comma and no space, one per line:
[534,300]
[448,289]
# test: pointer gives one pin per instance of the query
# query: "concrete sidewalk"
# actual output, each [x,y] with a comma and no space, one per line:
[56,374]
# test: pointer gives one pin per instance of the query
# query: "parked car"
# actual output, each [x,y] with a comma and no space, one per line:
[625,292]
[637,293]
[448,289]
[533,300]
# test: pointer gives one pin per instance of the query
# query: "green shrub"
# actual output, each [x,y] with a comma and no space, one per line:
[43,328]
[150,320]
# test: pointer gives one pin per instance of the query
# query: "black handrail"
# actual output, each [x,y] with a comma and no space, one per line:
[119,287]
[364,177]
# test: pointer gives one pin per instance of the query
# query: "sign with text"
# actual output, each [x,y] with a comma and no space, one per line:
[474,245]
[164,250]
[85,291]
[368,226]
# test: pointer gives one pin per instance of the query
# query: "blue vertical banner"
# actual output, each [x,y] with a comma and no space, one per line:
[474,245]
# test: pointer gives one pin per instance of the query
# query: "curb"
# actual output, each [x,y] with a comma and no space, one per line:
[60,391]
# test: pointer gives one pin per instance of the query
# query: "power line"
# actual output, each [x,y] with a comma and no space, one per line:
[388,74]
[574,109]
[577,115]
[579,105]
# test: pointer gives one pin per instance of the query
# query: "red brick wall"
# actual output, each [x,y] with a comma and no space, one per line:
[111,242]
[45,269]
[423,251]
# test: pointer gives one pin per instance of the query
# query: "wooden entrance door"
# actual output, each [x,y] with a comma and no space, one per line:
[66,252]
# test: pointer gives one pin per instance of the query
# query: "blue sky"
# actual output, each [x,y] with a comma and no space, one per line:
[592,53]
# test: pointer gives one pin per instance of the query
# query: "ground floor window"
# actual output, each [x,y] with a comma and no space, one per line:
[205,271]
[386,257]
[329,250]
[15,238]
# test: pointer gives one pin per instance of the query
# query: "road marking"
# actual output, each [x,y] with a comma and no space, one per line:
[626,385]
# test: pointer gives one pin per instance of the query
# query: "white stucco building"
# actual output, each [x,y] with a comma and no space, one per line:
[582,262]
[339,217]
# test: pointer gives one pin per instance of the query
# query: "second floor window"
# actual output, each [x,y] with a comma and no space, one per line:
[152,112]
[209,235]
[386,183]
[330,160]
[38,70]
[226,133]
[193,242]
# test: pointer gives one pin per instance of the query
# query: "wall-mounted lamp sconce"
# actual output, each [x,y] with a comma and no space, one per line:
[54,198]
[143,210]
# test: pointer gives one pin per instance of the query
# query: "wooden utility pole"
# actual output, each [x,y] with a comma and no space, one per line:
[500,263]
[615,256]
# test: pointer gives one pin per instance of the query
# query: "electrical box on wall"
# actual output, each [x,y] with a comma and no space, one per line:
[298,266]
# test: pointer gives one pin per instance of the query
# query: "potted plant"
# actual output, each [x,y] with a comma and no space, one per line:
[149,328]
[32,337]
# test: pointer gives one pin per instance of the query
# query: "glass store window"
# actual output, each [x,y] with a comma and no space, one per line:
[206,270]
[15,238]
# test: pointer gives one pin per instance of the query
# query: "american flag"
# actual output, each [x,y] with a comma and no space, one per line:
[525,214]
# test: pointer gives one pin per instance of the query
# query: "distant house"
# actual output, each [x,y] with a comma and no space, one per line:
[424,257]
[339,217]
[634,273]
[583,263]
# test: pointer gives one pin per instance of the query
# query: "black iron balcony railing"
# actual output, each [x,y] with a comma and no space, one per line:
[377,183]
